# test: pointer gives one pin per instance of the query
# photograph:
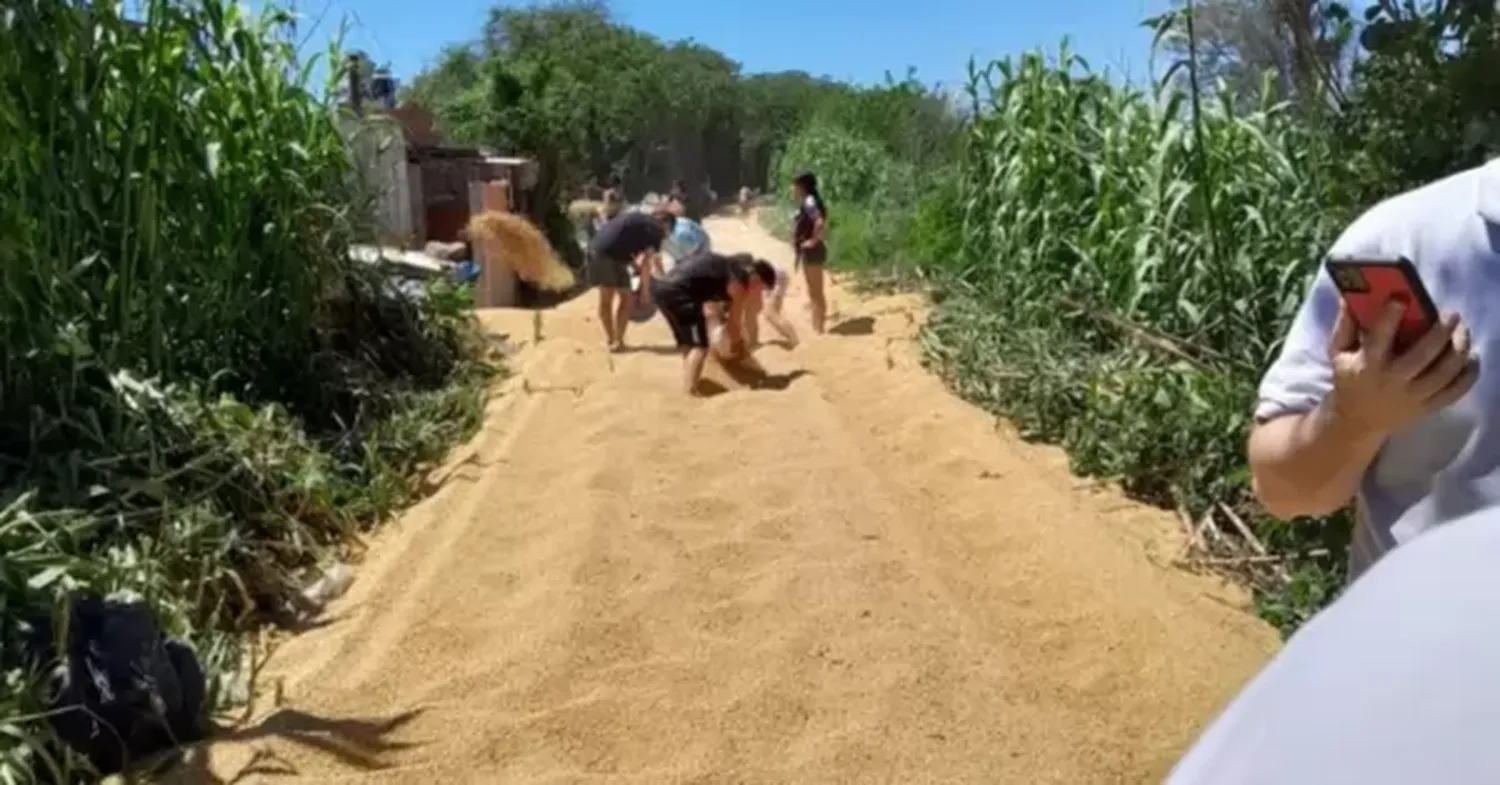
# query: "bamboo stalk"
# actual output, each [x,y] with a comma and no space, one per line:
[1146,335]
[1243,529]
[1236,561]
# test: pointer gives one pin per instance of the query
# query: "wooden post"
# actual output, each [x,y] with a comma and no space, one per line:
[497,284]
[356,87]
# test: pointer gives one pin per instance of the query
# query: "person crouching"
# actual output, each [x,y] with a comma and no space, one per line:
[703,301]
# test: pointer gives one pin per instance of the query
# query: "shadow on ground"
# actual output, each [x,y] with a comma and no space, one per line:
[860,325]
[749,374]
[358,743]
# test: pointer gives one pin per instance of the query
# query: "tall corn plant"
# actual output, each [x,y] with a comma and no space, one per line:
[1131,260]
[172,201]
[172,228]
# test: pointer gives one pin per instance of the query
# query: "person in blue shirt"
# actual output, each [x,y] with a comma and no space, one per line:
[686,238]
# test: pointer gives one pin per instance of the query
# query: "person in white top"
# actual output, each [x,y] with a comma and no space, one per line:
[1396,683]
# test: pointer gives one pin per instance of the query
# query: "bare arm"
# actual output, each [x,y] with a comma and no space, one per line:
[753,307]
[1311,463]
[782,325]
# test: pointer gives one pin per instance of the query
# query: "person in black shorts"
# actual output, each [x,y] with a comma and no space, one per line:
[631,241]
[810,224]
[703,301]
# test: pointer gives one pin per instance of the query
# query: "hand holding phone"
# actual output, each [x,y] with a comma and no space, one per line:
[1394,358]
[1367,285]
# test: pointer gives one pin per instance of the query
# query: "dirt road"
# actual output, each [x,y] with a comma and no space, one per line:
[853,578]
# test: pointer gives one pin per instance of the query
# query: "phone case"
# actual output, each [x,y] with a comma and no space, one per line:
[1368,284]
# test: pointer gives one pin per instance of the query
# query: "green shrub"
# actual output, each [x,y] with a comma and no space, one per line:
[201,395]
[886,216]
[1112,270]
[1133,261]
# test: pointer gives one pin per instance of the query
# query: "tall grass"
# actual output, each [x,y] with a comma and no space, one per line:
[1130,262]
[1113,270]
[200,395]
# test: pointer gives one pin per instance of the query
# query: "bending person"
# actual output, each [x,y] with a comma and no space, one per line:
[703,300]
[629,242]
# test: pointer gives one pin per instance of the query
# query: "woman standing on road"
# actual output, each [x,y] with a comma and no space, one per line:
[703,301]
[808,230]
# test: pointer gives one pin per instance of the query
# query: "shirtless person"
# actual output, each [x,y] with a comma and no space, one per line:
[703,301]
[629,242]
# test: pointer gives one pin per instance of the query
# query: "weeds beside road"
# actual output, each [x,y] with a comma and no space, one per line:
[201,395]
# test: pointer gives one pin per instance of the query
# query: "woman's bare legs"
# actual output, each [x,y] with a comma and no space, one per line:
[622,318]
[607,313]
[693,361]
[815,298]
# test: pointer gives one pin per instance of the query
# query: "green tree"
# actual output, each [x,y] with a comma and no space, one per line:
[1426,97]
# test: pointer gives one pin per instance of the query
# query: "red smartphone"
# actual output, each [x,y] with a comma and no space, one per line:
[1368,284]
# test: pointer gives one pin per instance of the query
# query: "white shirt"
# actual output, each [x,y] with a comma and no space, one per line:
[1396,683]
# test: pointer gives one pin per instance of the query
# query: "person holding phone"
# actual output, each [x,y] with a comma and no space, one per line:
[1393,413]
[703,302]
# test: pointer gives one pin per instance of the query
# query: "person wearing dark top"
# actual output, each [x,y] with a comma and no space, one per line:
[630,241]
[811,222]
[703,301]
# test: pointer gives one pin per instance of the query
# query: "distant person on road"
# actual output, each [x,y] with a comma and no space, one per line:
[703,301]
[612,205]
[1392,684]
[810,225]
[677,200]
[629,243]
[1407,435]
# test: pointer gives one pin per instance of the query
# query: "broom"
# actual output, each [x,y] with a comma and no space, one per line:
[523,248]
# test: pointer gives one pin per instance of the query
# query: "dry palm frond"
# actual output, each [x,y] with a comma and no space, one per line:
[519,245]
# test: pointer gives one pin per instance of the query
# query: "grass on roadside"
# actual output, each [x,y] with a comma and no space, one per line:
[201,396]
[1112,270]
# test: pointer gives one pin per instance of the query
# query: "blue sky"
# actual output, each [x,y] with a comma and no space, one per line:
[846,39]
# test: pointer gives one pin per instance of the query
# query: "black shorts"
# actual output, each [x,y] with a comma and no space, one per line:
[817,254]
[608,271]
[684,317]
